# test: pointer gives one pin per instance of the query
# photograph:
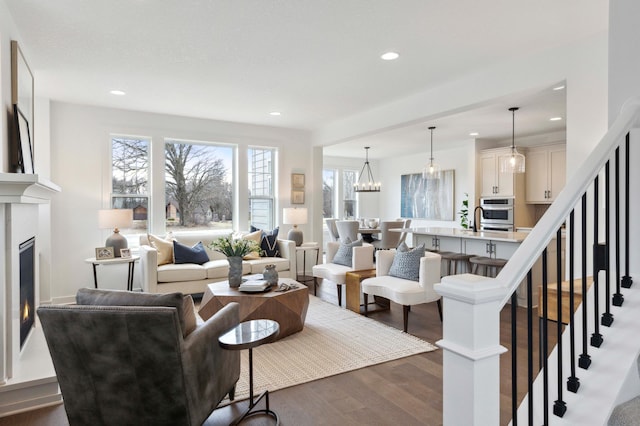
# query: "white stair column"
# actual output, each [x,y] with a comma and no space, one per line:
[471,349]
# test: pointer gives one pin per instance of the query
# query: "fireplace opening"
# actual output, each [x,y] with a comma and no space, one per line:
[27,288]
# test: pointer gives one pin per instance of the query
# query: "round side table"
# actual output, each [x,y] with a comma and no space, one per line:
[248,335]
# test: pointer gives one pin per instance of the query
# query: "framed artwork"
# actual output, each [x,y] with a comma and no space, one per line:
[22,85]
[103,253]
[23,158]
[297,180]
[125,253]
[297,196]
[431,199]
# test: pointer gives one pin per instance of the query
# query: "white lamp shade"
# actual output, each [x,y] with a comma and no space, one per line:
[115,218]
[294,216]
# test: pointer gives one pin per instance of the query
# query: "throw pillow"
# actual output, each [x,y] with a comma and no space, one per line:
[344,255]
[90,296]
[164,247]
[268,242]
[406,264]
[253,236]
[185,254]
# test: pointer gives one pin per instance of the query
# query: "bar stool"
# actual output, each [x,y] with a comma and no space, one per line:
[488,264]
[451,260]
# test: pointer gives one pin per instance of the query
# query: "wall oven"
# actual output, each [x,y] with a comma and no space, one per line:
[497,214]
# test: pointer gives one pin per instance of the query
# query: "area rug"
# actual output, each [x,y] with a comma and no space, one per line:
[333,341]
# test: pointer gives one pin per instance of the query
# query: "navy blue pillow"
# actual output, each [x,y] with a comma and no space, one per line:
[268,242]
[186,254]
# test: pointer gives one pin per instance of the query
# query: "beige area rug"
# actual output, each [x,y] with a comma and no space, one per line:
[333,341]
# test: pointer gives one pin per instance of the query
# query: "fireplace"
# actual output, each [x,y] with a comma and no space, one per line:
[27,288]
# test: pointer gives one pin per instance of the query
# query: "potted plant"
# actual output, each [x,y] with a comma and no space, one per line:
[464,212]
[235,250]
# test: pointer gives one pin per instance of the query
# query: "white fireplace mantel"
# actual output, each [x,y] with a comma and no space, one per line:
[26,188]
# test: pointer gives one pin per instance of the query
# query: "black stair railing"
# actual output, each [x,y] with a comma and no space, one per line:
[575,294]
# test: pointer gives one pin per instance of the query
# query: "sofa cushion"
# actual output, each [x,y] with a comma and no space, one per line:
[257,266]
[217,268]
[190,317]
[185,254]
[90,296]
[164,248]
[406,263]
[344,255]
[268,242]
[253,236]
[184,272]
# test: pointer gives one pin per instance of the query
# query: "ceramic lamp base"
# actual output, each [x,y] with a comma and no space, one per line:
[116,241]
[295,235]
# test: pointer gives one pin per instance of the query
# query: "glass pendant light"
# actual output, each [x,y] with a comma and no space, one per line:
[431,170]
[513,163]
[366,183]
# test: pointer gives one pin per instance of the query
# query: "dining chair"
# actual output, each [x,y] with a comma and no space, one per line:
[403,235]
[348,228]
[333,230]
[388,239]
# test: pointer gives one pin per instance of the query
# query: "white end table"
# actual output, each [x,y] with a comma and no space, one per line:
[116,260]
[311,246]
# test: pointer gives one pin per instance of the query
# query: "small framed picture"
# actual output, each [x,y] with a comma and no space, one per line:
[125,253]
[297,196]
[103,253]
[297,180]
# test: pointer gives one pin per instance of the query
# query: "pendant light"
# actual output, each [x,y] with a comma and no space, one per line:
[513,163]
[366,184]
[431,170]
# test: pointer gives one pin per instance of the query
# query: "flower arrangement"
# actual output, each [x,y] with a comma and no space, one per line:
[234,248]
[464,212]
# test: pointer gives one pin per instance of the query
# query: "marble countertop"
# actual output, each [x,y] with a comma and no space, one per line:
[511,237]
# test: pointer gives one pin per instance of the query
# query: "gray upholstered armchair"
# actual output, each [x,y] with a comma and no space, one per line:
[136,358]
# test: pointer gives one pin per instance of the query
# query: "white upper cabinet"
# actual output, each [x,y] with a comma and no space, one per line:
[545,173]
[492,181]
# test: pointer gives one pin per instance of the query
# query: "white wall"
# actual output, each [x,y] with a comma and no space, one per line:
[80,154]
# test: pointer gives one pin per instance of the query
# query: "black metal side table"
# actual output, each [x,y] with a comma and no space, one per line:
[304,278]
[116,260]
[248,335]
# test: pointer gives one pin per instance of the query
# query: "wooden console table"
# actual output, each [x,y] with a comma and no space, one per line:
[352,282]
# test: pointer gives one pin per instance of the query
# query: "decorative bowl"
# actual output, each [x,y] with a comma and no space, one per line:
[373,223]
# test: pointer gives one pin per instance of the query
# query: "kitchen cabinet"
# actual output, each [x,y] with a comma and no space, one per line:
[492,181]
[545,173]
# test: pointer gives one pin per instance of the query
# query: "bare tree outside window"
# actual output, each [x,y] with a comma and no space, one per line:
[198,189]
[328,194]
[129,178]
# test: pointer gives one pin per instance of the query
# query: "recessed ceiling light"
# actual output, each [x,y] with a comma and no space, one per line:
[389,56]
[474,134]
[117,92]
[555,119]
[558,87]
[275,113]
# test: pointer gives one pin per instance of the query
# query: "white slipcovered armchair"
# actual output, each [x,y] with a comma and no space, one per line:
[403,291]
[362,258]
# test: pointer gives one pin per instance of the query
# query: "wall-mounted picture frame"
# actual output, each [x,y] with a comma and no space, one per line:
[23,158]
[297,180]
[22,86]
[297,196]
[103,253]
[125,253]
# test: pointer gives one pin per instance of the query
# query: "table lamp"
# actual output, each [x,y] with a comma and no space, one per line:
[294,216]
[114,219]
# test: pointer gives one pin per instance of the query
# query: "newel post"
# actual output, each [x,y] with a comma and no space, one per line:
[471,349]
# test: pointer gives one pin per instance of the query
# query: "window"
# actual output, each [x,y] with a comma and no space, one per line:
[129,178]
[198,189]
[328,193]
[349,179]
[261,193]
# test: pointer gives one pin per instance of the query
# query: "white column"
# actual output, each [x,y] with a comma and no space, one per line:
[471,345]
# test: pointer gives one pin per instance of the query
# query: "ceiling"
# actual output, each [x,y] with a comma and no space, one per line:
[313,61]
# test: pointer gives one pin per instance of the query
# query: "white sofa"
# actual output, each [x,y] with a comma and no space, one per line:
[191,278]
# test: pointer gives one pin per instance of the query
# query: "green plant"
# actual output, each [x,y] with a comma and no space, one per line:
[464,212]
[234,248]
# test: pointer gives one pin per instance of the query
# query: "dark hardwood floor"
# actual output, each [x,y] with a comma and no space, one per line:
[407,391]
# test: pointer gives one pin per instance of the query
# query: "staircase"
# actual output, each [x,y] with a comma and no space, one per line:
[576,373]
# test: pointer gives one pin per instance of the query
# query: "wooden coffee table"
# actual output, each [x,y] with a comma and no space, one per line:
[288,308]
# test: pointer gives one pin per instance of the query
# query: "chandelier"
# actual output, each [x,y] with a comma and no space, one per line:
[366,184]
[513,163]
[431,170]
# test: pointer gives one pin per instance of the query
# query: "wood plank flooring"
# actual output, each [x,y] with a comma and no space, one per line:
[407,391]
